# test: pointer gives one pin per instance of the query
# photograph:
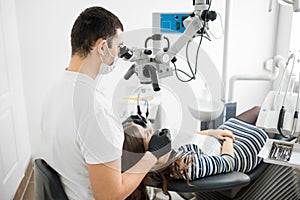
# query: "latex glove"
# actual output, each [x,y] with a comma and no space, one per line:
[160,143]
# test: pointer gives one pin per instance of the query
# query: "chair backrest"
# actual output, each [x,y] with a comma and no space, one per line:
[47,183]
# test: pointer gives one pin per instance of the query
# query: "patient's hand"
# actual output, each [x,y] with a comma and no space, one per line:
[218,133]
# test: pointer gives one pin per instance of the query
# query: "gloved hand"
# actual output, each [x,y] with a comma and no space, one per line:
[160,143]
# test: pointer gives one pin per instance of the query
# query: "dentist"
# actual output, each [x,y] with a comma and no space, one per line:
[81,138]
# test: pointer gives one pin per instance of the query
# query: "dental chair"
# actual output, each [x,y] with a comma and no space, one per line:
[47,185]
[227,185]
[266,181]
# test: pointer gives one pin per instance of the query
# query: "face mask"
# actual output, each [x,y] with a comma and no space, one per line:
[105,68]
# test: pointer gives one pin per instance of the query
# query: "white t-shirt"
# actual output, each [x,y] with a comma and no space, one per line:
[78,128]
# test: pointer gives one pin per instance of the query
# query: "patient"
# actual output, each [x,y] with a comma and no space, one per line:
[241,142]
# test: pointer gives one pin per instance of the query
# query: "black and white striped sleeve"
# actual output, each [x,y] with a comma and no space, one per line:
[205,165]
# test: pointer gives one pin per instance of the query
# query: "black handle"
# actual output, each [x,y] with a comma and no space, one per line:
[150,71]
[280,121]
[130,72]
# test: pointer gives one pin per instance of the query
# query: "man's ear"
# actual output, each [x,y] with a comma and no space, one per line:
[100,46]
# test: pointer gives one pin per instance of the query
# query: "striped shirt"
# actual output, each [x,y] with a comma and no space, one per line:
[248,142]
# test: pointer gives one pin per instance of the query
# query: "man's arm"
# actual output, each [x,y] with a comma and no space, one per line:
[109,183]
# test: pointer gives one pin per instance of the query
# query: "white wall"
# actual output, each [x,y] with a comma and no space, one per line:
[252,32]
[44,30]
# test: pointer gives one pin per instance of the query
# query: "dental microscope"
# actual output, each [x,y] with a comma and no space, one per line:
[152,64]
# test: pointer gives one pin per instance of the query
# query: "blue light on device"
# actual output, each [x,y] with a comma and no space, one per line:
[172,22]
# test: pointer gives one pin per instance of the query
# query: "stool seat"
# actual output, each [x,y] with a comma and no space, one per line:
[47,184]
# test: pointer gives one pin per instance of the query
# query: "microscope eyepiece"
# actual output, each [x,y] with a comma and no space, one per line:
[126,52]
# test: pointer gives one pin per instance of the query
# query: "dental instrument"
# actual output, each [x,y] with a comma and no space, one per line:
[283,109]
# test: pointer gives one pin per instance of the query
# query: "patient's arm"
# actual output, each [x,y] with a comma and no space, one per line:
[227,147]
[205,165]
[225,135]
[217,133]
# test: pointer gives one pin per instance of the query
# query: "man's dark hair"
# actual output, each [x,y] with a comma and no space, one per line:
[93,23]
